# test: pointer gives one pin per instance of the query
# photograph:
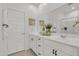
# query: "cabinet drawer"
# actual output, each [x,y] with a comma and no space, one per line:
[48,51]
[40,43]
[40,47]
[62,47]
[40,40]
[32,41]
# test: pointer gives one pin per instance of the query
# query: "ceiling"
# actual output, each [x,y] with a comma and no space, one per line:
[49,7]
[66,8]
[35,4]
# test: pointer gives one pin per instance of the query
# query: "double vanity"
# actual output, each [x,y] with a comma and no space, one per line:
[54,45]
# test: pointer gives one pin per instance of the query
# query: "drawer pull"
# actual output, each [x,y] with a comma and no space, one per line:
[53,51]
[39,45]
[32,39]
[39,39]
[39,53]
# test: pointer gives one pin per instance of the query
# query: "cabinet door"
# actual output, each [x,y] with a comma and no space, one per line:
[65,49]
[48,51]
[61,53]
[33,43]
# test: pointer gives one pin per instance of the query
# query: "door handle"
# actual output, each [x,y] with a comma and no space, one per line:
[5,25]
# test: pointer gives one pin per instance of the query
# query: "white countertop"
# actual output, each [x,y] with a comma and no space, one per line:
[71,40]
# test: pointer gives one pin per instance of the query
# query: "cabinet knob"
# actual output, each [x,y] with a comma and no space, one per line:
[39,45]
[32,39]
[39,39]
[39,53]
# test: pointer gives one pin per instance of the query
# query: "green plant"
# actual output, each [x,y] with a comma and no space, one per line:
[48,26]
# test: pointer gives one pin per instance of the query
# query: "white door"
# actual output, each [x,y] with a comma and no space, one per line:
[1,40]
[14,31]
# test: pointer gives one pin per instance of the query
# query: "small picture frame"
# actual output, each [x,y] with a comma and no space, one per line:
[31,21]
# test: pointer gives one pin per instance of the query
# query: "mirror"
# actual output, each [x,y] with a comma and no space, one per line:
[67,25]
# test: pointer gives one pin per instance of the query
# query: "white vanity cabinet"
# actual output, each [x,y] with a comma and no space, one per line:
[44,46]
[51,49]
[36,44]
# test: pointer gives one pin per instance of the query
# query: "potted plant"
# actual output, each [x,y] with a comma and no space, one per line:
[48,28]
